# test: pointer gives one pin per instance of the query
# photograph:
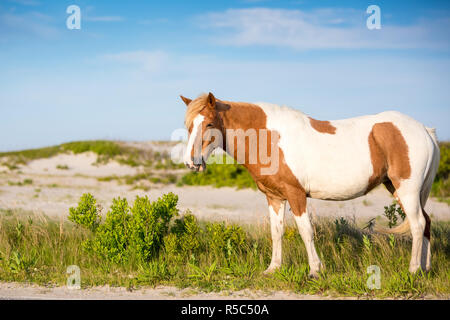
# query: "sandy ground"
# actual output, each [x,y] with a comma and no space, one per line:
[53,191]
[20,291]
[24,291]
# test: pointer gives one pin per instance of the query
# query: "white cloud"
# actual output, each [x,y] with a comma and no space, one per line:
[88,14]
[104,19]
[152,21]
[320,29]
[28,24]
[26,2]
[145,60]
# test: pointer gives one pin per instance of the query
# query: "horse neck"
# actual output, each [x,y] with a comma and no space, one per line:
[242,116]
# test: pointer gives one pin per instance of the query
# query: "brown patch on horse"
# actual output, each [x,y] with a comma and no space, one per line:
[379,164]
[275,203]
[282,185]
[389,154]
[322,126]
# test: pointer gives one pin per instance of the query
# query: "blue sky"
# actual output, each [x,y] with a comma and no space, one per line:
[119,77]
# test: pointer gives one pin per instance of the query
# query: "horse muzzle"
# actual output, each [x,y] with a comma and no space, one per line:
[194,166]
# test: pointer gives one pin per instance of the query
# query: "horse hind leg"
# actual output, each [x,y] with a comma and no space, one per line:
[426,188]
[411,205]
[425,260]
[426,245]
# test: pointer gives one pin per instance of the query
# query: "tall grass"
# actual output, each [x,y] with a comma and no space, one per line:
[215,256]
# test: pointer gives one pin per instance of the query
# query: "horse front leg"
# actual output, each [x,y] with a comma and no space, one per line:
[297,201]
[276,211]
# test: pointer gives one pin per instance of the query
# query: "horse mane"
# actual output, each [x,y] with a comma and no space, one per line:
[194,108]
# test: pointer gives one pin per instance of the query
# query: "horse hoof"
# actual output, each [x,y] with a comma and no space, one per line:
[414,269]
[270,270]
[313,276]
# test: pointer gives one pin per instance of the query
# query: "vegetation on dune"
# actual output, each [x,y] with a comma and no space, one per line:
[100,147]
[21,183]
[147,243]
[104,149]
[227,174]
[149,176]
[441,185]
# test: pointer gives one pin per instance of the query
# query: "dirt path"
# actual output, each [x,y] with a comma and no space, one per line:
[14,291]
[23,291]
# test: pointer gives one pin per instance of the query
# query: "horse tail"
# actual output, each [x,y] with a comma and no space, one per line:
[402,228]
[431,169]
[432,133]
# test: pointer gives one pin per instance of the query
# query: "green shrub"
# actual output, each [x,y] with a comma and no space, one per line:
[391,213]
[189,239]
[225,239]
[150,223]
[128,231]
[184,238]
[112,237]
[86,213]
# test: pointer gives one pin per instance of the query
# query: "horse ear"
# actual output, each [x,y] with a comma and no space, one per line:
[186,100]
[220,106]
[211,101]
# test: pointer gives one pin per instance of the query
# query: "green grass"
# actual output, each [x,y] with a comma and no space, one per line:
[157,178]
[214,257]
[104,149]
[21,183]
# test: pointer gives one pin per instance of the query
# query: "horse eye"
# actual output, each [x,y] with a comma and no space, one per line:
[209,125]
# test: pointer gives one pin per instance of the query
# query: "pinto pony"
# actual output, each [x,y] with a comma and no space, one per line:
[331,160]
